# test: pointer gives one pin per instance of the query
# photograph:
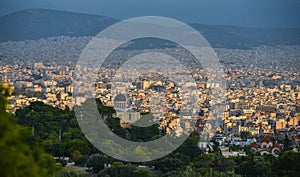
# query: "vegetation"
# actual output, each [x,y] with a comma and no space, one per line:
[57,132]
[67,172]
[20,158]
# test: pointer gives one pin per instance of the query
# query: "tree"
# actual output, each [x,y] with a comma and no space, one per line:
[121,171]
[168,164]
[57,130]
[76,155]
[66,172]
[245,134]
[287,143]
[97,162]
[77,144]
[141,173]
[18,158]
[189,147]
[288,164]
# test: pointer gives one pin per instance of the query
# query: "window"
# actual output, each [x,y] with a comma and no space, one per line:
[264,145]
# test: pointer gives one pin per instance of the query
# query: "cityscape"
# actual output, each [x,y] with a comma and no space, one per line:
[252,125]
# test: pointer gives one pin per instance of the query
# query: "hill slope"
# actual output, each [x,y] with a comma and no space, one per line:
[42,23]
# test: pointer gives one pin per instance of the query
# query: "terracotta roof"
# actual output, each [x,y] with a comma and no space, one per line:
[254,145]
[276,145]
[265,140]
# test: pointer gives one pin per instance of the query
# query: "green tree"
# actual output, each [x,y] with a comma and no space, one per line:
[120,171]
[245,134]
[97,162]
[141,173]
[189,147]
[168,164]
[67,172]
[287,143]
[76,155]
[18,158]
[288,164]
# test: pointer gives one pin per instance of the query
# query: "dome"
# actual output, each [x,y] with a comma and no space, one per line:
[120,97]
[120,103]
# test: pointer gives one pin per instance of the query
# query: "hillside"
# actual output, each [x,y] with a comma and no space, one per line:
[34,24]
[42,23]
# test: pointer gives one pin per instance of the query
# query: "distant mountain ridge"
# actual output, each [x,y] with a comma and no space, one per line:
[42,23]
[34,24]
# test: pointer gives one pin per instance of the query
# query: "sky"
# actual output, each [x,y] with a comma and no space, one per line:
[250,13]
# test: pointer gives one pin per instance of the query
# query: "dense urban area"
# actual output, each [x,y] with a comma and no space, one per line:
[258,132]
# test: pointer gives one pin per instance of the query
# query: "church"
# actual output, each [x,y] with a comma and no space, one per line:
[123,110]
[265,146]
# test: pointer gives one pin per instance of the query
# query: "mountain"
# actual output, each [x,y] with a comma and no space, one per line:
[42,23]
[245,37]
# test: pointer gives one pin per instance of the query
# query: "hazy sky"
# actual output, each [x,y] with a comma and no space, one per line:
[254,13]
